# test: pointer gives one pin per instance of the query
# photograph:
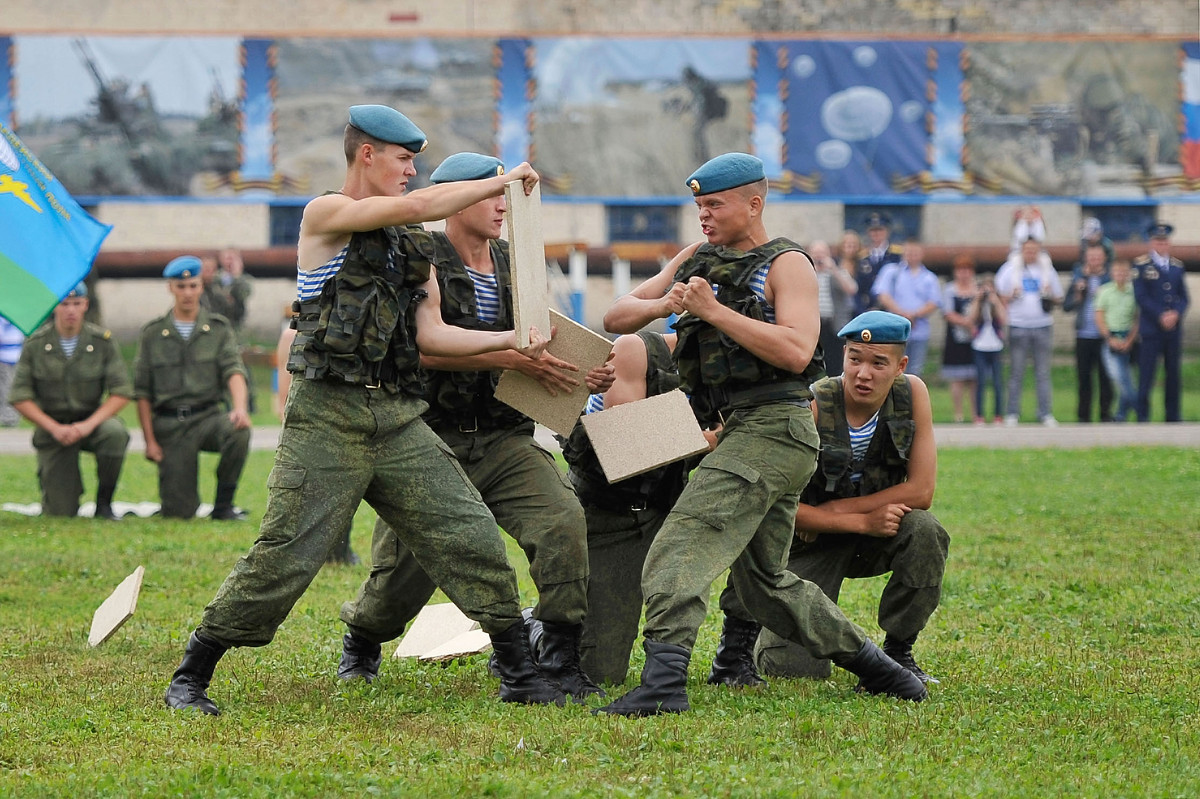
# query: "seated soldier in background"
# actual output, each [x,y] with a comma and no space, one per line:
[71,382]
[187,362]
[865,511]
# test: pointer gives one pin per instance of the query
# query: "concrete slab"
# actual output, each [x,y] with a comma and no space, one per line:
[117,609]
[527,253]
[663,428]
[573,343]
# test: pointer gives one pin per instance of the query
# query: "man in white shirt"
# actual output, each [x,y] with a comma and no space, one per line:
[1029,287]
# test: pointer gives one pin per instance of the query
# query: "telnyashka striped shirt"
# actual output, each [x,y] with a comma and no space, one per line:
[860,440]
[487,296]
[758,284]
[310,284]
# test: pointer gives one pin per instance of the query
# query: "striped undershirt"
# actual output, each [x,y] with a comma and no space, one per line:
[487,296]
[310,284]
[758,284]
[595,403]
[860,440]
[185,329]
[68,345]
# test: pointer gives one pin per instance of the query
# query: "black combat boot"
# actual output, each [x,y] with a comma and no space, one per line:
[901,652]
[223,508]
[360,659]
[664,683]
[108,470]
[733,664]
[879,674]
[191,679]
[557,657]
[519,677]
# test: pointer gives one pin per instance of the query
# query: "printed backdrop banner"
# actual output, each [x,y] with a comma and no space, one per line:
[856,116]
[47,242]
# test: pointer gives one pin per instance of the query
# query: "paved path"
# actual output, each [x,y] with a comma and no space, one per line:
[1069,436]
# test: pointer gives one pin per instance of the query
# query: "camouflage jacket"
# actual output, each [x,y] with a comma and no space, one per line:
[713,368]
[461,398]
[886,461]
[362,328]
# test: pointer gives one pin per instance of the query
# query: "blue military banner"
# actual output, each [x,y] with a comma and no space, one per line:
[47,242]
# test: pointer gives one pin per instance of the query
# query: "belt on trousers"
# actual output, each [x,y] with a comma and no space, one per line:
[185,412]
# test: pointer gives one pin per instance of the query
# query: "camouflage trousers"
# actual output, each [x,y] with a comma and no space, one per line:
[182,441]
[58,466]
[342,444]
[530,498]
[916,557]
[738,513]
[617,545]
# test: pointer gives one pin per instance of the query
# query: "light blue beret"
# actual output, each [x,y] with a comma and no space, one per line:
[467,166]
[183,266]
[877,327]
[80,290]
[388,124]
[724,172]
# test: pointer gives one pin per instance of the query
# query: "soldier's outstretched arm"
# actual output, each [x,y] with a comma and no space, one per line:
[654,298]
[435,337]
[335,216]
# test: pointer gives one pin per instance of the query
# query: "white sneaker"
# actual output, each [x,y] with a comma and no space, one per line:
[1010,420]
[1049,421]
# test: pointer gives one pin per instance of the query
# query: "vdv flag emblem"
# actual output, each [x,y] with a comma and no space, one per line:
[47,242]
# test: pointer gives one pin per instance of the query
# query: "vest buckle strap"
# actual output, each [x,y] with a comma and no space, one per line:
[470,426]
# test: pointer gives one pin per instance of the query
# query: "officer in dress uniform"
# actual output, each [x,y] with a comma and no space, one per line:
[71,382]
[1160,288]
[877,255]
[187,363]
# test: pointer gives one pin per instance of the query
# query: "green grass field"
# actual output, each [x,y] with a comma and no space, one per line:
[1066,646]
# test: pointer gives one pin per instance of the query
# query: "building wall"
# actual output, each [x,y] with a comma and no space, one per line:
[716,17]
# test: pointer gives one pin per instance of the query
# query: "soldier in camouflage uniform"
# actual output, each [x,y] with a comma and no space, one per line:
[187,363]
[865,511]
[368,305]
[71,382]
[622,517]
[519,481]
[746,355]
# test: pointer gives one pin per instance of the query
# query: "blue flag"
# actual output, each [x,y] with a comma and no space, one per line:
[47,242]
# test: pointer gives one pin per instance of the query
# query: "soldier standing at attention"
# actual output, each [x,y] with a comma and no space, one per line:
[880,253]
[747,353]
[187,362]
[865,511]
[519,481]
[368,307]
[1160,286]
[71,382]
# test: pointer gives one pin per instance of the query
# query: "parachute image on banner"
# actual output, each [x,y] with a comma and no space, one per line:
[47,242]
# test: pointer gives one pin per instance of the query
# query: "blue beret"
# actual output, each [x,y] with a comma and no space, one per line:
[874,220]
[467,166]
[80,290]
[183,266]
[726,172]
[877,327]
[1159,230]
[388,124]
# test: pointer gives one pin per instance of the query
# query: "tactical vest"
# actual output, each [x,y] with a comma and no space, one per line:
[467,399]
[658,488]
[362,328]
[716,372]
[886,461]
